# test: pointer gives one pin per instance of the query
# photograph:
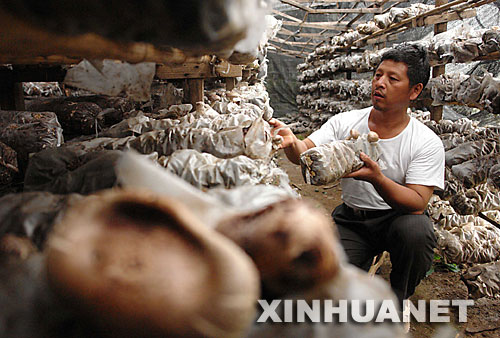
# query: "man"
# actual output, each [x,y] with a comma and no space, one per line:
[383,210]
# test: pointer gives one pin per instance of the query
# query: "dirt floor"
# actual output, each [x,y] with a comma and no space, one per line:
[483,318]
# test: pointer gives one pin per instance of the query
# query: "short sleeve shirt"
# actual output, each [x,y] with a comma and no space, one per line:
[414,156]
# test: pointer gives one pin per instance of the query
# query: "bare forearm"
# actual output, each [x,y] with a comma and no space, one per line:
[296,148]
[400,197]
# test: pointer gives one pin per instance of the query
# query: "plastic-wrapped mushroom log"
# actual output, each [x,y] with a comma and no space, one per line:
[291,254]
[444,216]
[203,117]
[32,214]
[483,280]
[470,244]
[473,201]
[206,171]
[474,172]
[28,132]
[454,139]
[329,162]
[470,150]
[254,141]
[494,175]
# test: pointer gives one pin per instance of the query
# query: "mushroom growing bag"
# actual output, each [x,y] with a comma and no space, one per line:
[330,162]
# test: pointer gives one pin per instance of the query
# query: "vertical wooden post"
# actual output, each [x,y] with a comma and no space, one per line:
[245,74]
[11,96]
[230,83]
[196,87]
[185,91]
[437,111]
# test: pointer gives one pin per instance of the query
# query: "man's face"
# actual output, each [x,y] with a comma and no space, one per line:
[391,86]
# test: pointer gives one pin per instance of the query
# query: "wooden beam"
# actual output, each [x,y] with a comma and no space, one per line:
[326,2]
[292,43]
[194,70]
[296,5]
[286,16]
[32,73]
[318,25]
[450,16]
[438,9]
[287,51]
[21,40]
[363,10]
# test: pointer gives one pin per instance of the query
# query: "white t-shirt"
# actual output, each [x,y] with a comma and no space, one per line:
[414,156]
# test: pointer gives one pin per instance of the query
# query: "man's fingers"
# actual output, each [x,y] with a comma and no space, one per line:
[365,158]
[276,123]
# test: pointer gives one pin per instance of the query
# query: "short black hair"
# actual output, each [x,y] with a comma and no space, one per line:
[415,57]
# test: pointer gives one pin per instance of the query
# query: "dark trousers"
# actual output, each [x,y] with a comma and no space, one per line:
[409,239]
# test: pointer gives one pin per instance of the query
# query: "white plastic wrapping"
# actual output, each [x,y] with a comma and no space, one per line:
[112,78]
[329,162]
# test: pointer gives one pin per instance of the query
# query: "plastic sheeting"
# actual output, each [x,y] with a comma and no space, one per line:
[113,78]
[329,162]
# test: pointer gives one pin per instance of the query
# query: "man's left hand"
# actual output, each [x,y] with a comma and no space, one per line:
[370,172]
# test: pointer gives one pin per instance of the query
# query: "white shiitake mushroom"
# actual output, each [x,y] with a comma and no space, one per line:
[353,135]
[372,137]
[142,265]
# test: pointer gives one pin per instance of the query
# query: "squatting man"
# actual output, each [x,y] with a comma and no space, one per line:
[383,208]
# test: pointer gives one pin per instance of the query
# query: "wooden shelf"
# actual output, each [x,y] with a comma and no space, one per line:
[203,70]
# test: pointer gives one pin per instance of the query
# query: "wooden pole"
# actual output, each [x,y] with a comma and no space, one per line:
[437,111]
[230,83]
[196,87]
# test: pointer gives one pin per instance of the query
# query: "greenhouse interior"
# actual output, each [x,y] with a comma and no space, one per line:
[324,168]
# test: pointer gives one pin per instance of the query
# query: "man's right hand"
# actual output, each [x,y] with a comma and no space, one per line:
[279,128]
[291,144]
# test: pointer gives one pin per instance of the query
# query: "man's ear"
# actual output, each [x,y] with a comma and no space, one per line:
[415,91]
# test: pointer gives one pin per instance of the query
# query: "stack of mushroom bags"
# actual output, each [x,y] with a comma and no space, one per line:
[466,214]
[319,99]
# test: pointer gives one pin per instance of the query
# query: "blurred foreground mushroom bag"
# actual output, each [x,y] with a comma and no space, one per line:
[137,264]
